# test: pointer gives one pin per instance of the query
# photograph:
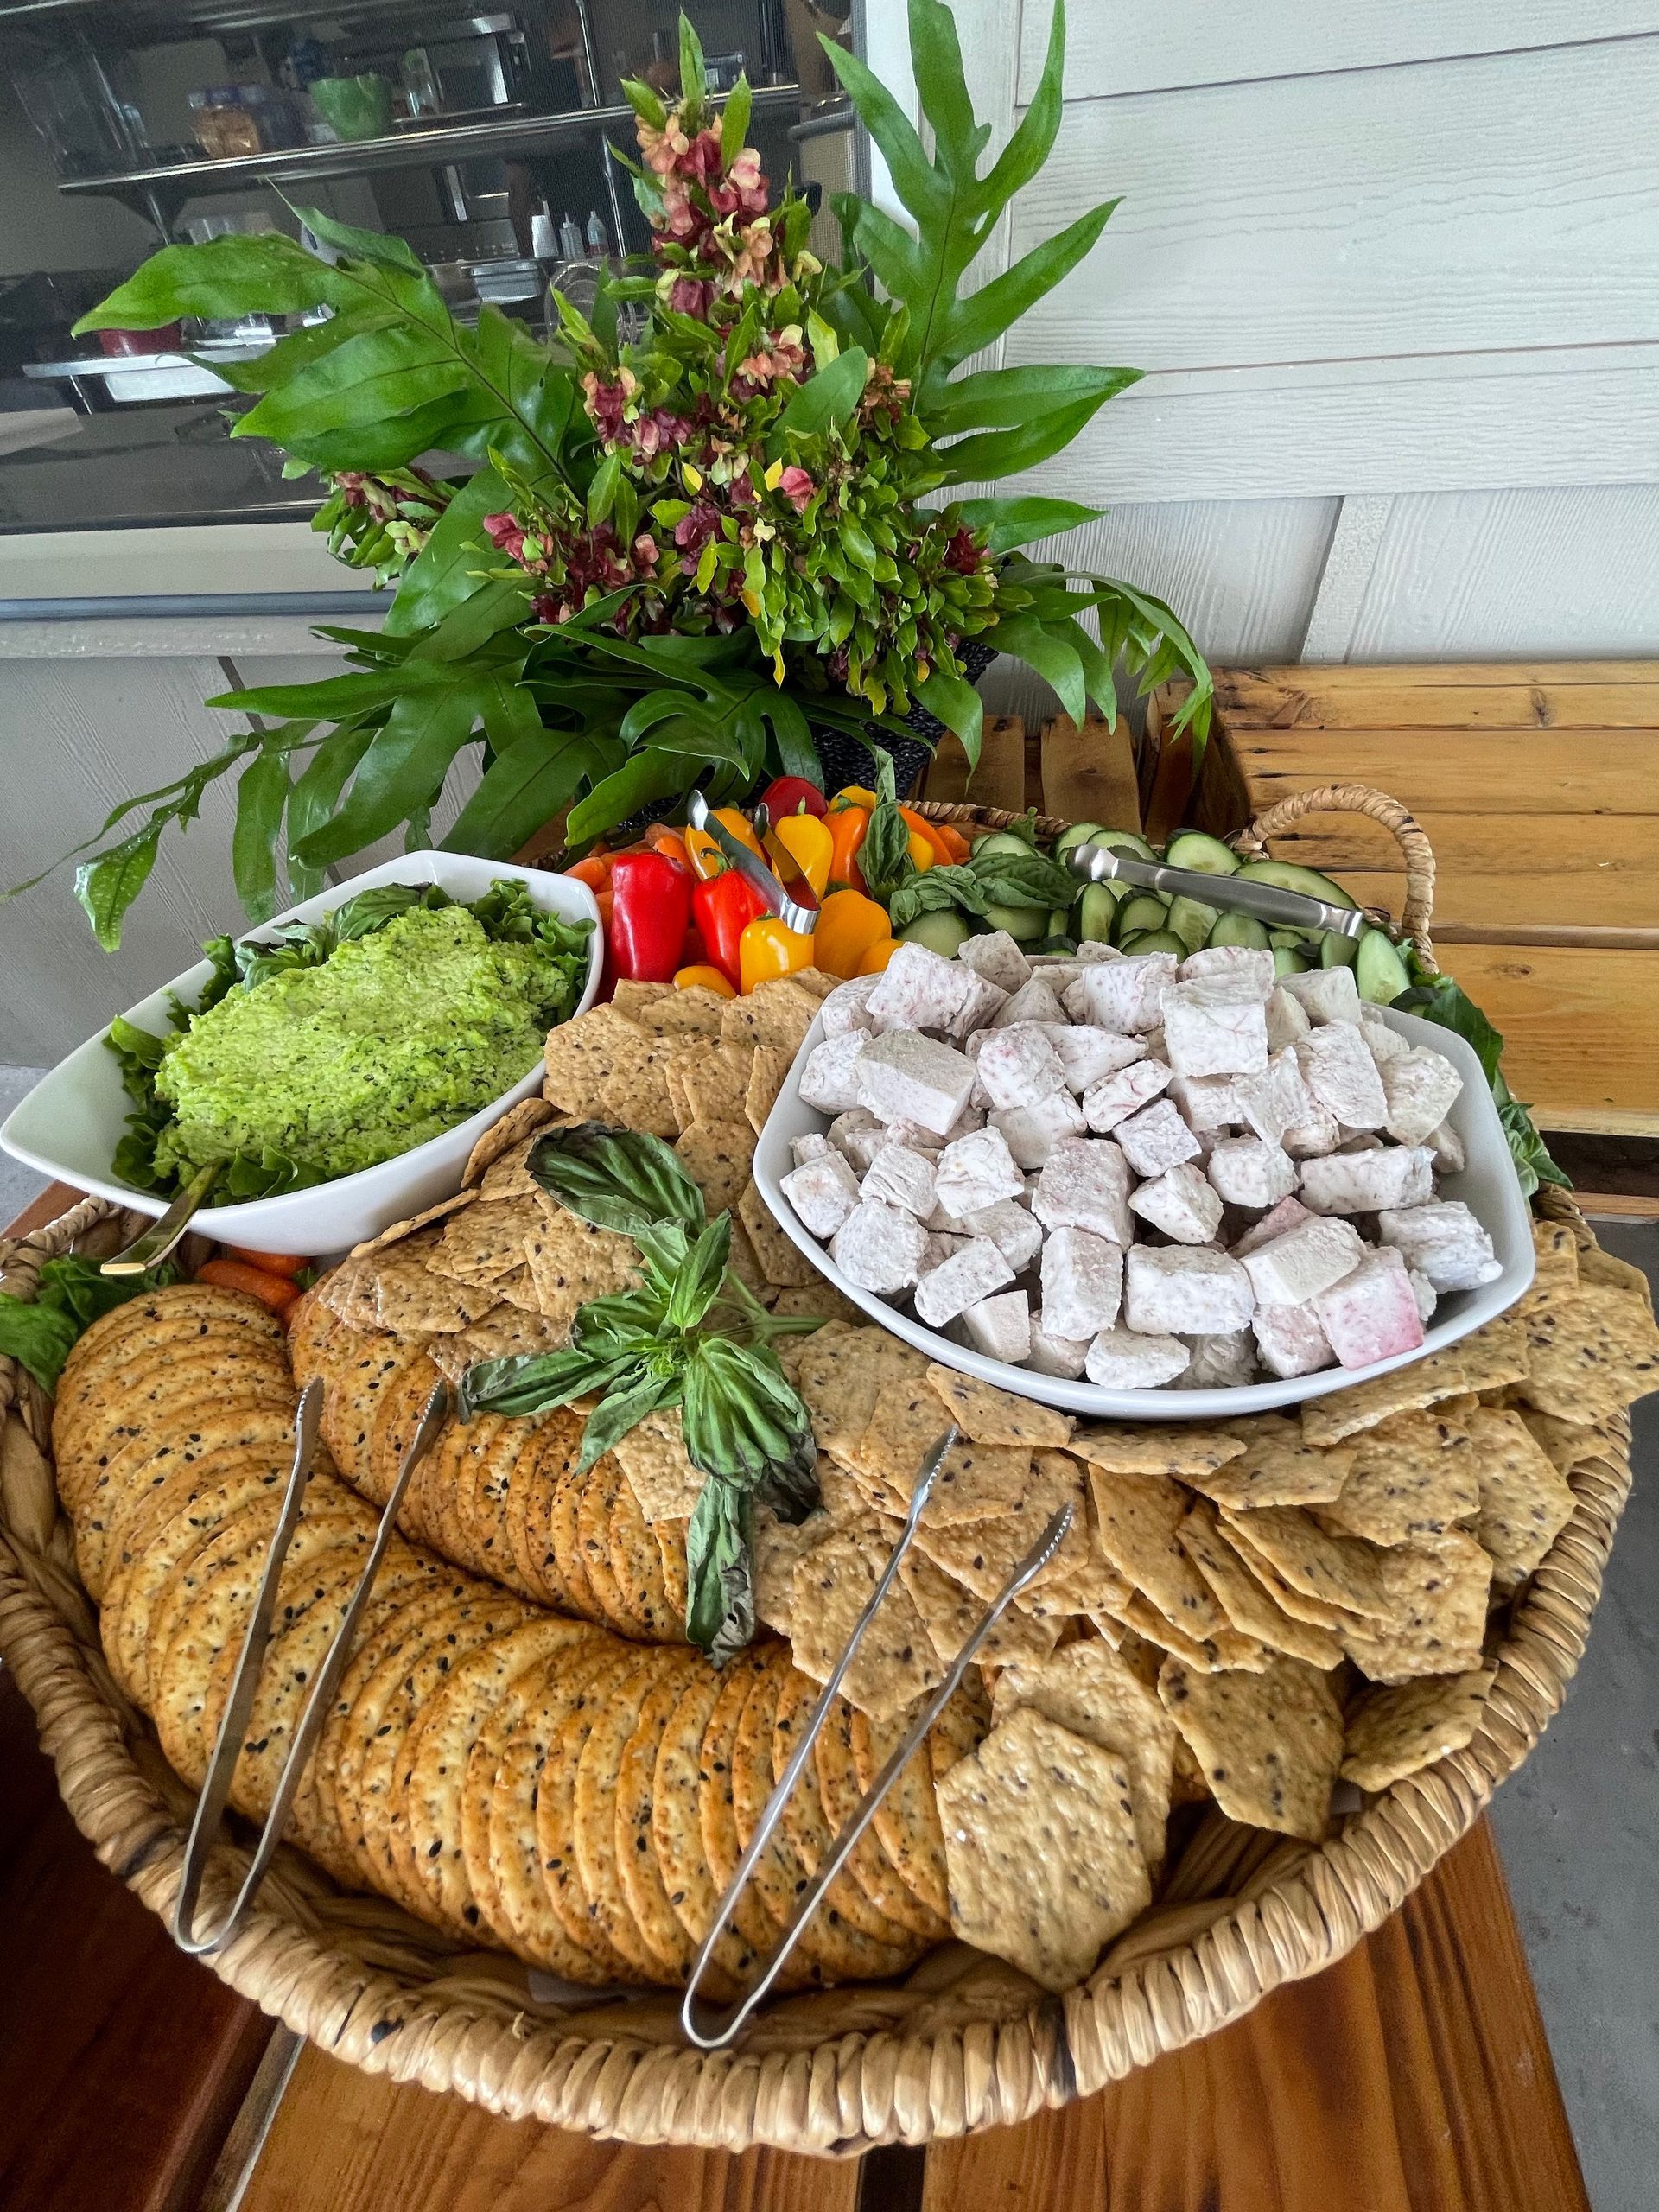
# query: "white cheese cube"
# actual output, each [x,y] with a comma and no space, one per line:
[830,1079]
[977,1170]
[1371,1314]
[1171,1287]
[1325,994]
[1033,1132]
[1117,1360]
[1447,1147]
[940,1247]
[1287,1021]
[1337,1068]
[823,1192]
[1420,1087]
[1443,1242]
[1251,970]
[1018,1065]
[1085,1185]
[1122,995]
[904,1076]
[1286,1214]
[1365,1182]
[1087,1055]
[1207,1103]
[1115,1098]
[1181,1202]
[880,1247]
[919,989]
[1083,1283]
[1062,1355]
[1154,1139]
[1291,1340]
[985,1001]
[974,1272]
[1360,1141]
[1312,1139]
[1223,1362]
[847,1006]
[901,1176]
[1250,1172]
[1017,1234]
[1291,1269]
[997,958]
[1386,1044]
[1001,1326]
[1213,1026]
[1424,1292]
[1274,1099]
[811,1146]
[1035,1000]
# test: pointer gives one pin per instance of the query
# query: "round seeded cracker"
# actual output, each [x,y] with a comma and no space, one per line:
[573,1713]
[600,1737]
[869,1865]
[531,1479]
[484,1759]
[145,1398]
[637,1867]
[636,1560]
[678,1845]
[804,1823]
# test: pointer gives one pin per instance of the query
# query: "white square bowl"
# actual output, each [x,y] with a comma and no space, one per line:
[69,1125]
[1488,1186]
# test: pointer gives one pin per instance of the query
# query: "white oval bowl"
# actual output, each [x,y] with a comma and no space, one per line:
[69,1125]
[1488,1186]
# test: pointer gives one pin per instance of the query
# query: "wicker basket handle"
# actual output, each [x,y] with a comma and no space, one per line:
[1359,798]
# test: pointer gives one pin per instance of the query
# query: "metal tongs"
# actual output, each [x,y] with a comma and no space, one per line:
[244,1684]
[711,2029]
[1263,902]
[783,885]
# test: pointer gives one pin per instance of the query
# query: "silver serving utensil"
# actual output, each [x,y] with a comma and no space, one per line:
[1264,902]
[714,2030]
[244,1684]
[794,902]
[150,1249]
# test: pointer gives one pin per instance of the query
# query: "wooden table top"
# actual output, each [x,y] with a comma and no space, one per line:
[1414,2076]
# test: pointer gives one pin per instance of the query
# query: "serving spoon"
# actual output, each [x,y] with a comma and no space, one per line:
[149,1250]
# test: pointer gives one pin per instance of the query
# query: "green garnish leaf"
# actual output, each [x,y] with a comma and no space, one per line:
[617,1178]
[40,1332]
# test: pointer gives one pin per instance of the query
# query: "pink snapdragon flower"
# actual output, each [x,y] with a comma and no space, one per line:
[797,487]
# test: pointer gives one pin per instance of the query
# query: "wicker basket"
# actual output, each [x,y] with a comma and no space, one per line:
[962,2045]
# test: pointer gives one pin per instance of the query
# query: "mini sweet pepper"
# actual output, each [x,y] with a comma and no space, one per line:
[767,949]
[651,910]
[848,924]
[723,906]
[705,854]
[810,843]
[846,827]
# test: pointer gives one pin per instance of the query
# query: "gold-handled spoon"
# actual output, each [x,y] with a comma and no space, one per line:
[152,1247]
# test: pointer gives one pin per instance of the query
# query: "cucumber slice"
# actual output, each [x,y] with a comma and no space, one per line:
[1093,914]
[1239,929]
[1057,918]
[1145,911]
[942,933]
[1025,924]
[1192,921]
[1380,972]
[1192,848]
[1289,940]
[1337,951]
[1287,876]
[1288,961]
[1155,941]
[1058,943]
[1079,833]
[1124,840]
[1002,840]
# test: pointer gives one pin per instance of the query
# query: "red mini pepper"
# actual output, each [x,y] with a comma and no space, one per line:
[651,910]
[792,795]
[723,906]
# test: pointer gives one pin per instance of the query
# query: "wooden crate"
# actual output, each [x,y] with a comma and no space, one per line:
[1539,788]
[1083,775]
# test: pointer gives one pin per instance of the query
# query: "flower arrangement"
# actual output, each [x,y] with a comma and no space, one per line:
[684,555]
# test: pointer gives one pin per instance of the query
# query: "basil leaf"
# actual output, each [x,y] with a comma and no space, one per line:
[627,1402]
[533,1382]
[697,1283]
[940,891]
[618,1178]
[719,1572]
[1008,880]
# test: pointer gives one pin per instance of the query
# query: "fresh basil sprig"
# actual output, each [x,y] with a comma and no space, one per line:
[884,859]
[691,1335]
[994,879]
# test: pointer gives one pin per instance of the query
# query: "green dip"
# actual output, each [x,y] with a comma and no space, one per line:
[397,1037]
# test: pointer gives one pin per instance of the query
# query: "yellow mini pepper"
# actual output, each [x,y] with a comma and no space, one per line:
[766,950]
[701,977]
[848,924]
[810,843]
[705,854]
[853,795]
[878,957]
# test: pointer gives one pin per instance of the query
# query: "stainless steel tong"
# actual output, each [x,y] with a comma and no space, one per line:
[785,888]
[244,1684]
[1264,902]
[712,2030]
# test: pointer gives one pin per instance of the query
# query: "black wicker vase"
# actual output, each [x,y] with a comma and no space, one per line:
[847,760]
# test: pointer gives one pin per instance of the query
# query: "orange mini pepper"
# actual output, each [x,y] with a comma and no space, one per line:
[848,924]
[878,957]
[810,842]
[705,854]
[768,951]
[704,978]
[661,838]
[846,827]
[593,871]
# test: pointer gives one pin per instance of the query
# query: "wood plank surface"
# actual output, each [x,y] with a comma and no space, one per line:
[1504,771]
[1467,695]
[1087,774]
[1581,1029]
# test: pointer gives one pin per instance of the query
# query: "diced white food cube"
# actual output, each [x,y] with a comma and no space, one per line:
[919,989]
[1017,1234]
[903,1177]
[1371,1314]
[975,1272]
[904,1076]
[1122,995]
[997,958]
[1018,1065]
[1291,1269]
[862,1147]
[1001,1326]
[1337,1068]
[1286,1020]
[1420,1087]
[1087,1055]
[1275,1098]
[951,1224]
[1115,1098]
[1313,1138]
[1212,1025]
[1033,1132]
[1049,1355]
[977,1170]
[1247,966]
[1325,994]
[846,1006]
[1222,1361]
[1386,1044]
[1360,1141]
[1447,1147]
[1291,1339]
[971,1117]
[880,1247]
[984,1001]
[1172,1287]
[1154,1139]
[1083,1283]
[1181,1202]
[940,1248]
[1158,1046]
[1250,1172]
[1118,1360]
[855,1119]
[1424,1292]
[1444,1240]
[1092,950]
[823,1192]
[1035,1000]
[1085,1185]
[1286,1214]
[1207,1102]
[1365,1182]
[811,1146]
[830,1079]
[914,1134]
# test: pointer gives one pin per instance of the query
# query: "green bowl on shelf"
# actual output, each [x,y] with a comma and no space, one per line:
[354,107]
